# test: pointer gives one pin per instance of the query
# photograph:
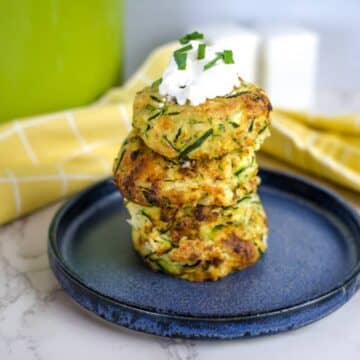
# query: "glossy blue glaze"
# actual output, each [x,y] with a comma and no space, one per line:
[310,269]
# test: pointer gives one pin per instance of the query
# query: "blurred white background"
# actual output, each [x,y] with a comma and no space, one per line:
[152,22]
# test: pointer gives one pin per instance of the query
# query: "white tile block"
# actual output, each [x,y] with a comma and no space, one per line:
[288,66]
[281,59]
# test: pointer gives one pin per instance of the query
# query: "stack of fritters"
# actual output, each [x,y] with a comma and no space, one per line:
[189,176]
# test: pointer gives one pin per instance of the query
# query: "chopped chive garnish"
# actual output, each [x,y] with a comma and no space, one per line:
[156,83]
[201,51]
[180,56]
[213,62]
[192,36]
[180,59]
[228,57]
[184,49]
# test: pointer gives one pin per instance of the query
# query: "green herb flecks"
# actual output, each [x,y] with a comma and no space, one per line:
[196,263]
[256,97]
[238,94]
[178,133]
[150,107]
[263,129]
[163,265]
[218,227]
[195,122]
[243,199]
[156,99]
[173,113]
[238,172]
[196,143]
[234,124]
[148,127]
[119,160]
[156,83]
[251,126]
[143,213]
[169,243]
[201,51]
[261,252]
[191,36]
[170,143]
[152,117]
[149,255]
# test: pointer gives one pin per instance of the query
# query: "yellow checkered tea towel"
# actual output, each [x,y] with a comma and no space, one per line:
[48,157]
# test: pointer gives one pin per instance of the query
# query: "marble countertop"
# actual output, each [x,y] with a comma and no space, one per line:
[38,321]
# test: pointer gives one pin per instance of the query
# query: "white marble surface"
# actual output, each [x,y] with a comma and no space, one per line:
[38,321]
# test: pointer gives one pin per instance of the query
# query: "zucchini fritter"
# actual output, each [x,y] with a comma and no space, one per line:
[202,242]
[221,125]
[148,178]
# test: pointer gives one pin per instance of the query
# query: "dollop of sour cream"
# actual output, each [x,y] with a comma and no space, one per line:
[195,84]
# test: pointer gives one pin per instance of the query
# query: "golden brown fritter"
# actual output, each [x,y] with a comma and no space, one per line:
[202,242]
[221,125]
[148,178]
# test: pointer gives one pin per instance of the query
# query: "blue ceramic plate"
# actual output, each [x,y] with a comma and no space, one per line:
[311,267]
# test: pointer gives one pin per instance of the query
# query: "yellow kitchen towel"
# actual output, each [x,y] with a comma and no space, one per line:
[48,157]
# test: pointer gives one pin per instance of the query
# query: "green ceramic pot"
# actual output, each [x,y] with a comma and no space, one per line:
[57,54]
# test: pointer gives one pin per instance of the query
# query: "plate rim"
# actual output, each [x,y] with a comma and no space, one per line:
[353,278]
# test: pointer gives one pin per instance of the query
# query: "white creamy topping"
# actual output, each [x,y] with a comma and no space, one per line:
[194,84]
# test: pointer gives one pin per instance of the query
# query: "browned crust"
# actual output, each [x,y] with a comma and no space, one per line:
[213,263]
[252,103]
[233,247]
[142,177]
